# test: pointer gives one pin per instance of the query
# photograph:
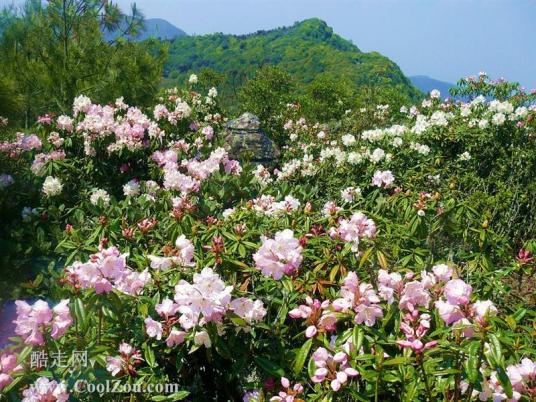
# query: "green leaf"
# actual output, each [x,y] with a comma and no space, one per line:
[396,361]
[504,380]
[357,338]
[148,353]
[270,367]
[471,366]
[495,350]
[177,396]
[302,356]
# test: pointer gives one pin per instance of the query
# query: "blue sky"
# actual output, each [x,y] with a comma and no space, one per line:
[445,39]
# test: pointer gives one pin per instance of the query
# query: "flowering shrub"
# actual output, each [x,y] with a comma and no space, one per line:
[366,266]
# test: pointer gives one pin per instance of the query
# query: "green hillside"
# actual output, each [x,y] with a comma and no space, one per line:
[305,50]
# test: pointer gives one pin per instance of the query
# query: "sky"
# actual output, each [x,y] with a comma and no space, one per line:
[444,39]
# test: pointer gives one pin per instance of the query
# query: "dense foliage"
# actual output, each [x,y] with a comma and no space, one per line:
[49,53]
[305,50]
[391,262]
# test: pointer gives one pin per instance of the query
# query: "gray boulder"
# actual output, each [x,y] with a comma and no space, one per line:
[245,140]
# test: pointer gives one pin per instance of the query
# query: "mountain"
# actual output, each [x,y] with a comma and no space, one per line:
[154,28]
[426,84]
[305,50]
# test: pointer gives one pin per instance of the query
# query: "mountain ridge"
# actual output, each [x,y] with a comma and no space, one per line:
[306,49]
[158,28]
[426,84]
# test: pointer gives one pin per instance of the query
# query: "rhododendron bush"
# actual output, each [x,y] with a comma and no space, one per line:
[363,267]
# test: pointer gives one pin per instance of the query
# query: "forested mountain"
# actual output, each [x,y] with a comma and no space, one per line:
[306,50]
[157,28]
[426,84]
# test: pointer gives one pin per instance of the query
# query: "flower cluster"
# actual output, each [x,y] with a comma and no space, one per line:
[182,255]
[108,270]
[126,362]
[52,186]
[456,309]
[332,368]
[267,205]
[318,315]
[8,367]
[288,393]
[22,143]
[42,159]
[279,256]
[361,298]
[353,229]
[383,179]
[207,299]
[34,321]
[414,326]
[45,390]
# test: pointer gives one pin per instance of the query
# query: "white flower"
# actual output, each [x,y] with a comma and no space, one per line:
[228,212]
[377,155]
[348,139]
[426,103]
[435,94]
[132,188]
[193,79]
[354,158]
[465,156]
[202,338]
[498,119]
[349,193]
[397,141]
[81,104]
[212,92]
[52,186]
[100,194]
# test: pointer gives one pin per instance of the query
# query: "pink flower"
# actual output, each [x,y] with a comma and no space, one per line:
[45,390]
[153,328]
[114,365]
[124,364]
[449,313]
[442,272]
[317,316]
[353,229]
[232,166]
[202,338]
[208,132]
[367,314]
[175,338]
[414,295]
[483,309]
[332,368]
[206,299]
[108,270]
[279,256]
[361,297]
[288,393]
[62,319]
[8,367]
[414,327]
[382,179]
[33,321]
[248,309]
[389,284]
[167,308]
[458,292]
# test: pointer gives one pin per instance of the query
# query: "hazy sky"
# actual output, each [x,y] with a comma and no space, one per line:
[445,39]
